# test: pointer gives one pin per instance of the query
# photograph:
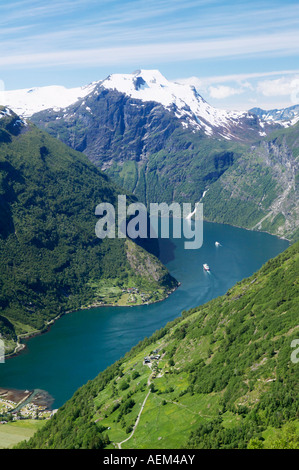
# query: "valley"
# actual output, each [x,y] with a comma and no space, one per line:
[199,385]
[75,349]
[219,373]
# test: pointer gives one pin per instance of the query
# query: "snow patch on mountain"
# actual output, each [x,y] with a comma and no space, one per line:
[286,117]
[5,112]
[151,85]
[28,101]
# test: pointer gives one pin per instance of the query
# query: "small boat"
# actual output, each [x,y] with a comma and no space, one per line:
[206,267]
[217,244]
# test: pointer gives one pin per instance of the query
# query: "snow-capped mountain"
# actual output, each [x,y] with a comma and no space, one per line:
[147,86]
[163,142]
[28,101]
[151,85]
[286,116]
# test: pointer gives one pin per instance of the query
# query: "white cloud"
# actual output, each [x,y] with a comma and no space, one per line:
[279,87]
[192,81]
[279,43]
[223,91]
[265,93]
[203,81]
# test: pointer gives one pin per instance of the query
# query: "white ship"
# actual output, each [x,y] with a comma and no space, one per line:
[217,244]
[206,267]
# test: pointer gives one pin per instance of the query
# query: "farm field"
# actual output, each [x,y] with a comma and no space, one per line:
[12,433]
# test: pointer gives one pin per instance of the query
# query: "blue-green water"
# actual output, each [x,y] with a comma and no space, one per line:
[83,343]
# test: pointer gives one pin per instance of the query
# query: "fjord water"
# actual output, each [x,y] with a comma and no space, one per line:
[83,343]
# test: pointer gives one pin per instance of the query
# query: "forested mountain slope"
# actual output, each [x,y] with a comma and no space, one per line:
[50,258]
[141,145]
[224,377]
[260,190]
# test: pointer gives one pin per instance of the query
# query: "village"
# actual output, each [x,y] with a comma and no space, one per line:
[134,294]
[153,361]
[23,404]
[13,412]
[155,356]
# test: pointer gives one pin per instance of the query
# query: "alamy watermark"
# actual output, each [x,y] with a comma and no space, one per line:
[295,353]
[148,227]
[2,351]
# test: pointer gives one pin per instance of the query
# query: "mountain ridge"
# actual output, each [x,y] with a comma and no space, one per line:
[144,148]
[284,116]
[161,141]
[145,85]
[268,200]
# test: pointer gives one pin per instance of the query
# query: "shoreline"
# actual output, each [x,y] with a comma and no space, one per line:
[249,229]
[21,346]
[95,305]
[232,225]
[18,398]
[237,226]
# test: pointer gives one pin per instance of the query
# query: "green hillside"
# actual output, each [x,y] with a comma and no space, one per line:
[50,259]
[260,190]
[224,378]
[143,148]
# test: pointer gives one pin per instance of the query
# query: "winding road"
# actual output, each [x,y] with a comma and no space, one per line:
[137,421]
[119,444]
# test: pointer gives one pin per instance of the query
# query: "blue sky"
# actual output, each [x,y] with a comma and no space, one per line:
[238,54]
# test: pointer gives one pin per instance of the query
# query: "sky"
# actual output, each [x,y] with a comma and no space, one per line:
[238,54]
